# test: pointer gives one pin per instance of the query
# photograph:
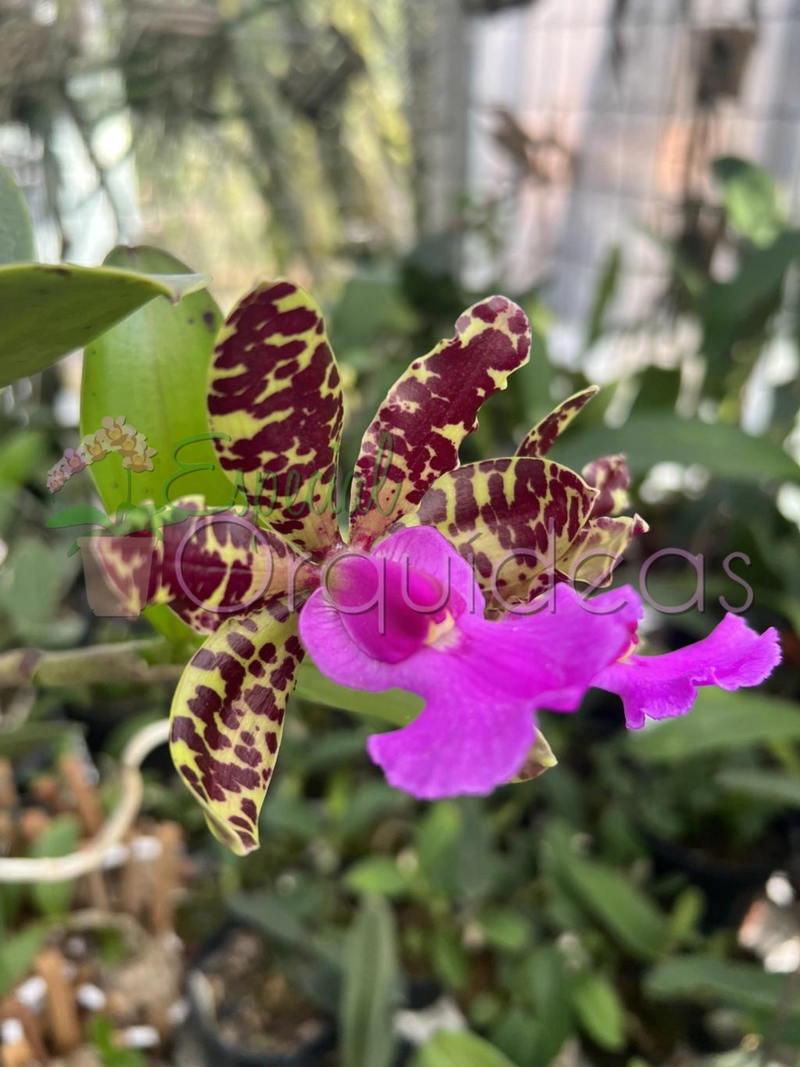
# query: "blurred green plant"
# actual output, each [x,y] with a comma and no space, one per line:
[553,917]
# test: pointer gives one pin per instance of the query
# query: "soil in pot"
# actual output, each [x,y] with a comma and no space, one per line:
[251,1011]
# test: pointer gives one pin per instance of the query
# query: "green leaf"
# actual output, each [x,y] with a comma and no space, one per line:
[549,983]
[599,1010]
[517,1033]
[709,980]
[271,915]
[378,875]
[59,838]
[629,916]
[79,515]
[751,199]
[21,456]
[49,310]
[763,785]
[395,706]
[153,369]
[18,953]
[35,575]
[505,929]
[459,1049]
[371,986]
[101,1032]
[176,631]
[16,232]
[449,958]
[436,837]
[28,736]
[724,450]
[605,291]
[718,722]
[685,916]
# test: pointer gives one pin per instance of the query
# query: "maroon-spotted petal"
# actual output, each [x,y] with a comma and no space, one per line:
[611,477]
[276,397]
[415,436]
[227,718]
[513,518]
[206,568]
[544,434]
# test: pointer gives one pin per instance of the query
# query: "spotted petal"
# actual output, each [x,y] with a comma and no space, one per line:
[227,719]
[206,568]
[611,477]
[275,392]
[598,549]
[515,517]
[429,411]
[545,433]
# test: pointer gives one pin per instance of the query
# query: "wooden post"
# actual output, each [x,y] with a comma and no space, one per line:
[86,801]
[167,871]
[62,1011]
[131,880]
[8,790]
[13,1008]
[15,1050]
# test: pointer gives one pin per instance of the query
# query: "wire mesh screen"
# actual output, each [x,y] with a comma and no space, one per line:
[594,124]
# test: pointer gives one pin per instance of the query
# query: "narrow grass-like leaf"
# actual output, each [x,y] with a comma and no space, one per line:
[371,987]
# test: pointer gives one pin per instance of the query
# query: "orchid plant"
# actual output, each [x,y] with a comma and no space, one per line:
[455,582]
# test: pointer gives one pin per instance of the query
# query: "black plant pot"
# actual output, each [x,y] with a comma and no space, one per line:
[218,1052]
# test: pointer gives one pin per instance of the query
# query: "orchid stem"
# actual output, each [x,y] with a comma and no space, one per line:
[151,661]
[130,661]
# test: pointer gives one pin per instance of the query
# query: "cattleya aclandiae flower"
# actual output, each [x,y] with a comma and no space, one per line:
[431,546]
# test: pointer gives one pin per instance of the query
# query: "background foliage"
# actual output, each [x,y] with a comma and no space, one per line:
[596,913]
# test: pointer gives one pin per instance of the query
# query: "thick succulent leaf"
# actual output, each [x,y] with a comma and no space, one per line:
[49,311]
[227,719]
[499,512]
[275,392]
[153,369]
[415,436]
[205,568]
[545,433]
[611,477]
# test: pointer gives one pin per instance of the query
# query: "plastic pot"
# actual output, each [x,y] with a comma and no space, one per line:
[218,1052]
[133,556]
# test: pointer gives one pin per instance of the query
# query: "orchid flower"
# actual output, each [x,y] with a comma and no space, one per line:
[405,617]
[74,461]
[95,446]
[118,431]
[505,528]
[137,457]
